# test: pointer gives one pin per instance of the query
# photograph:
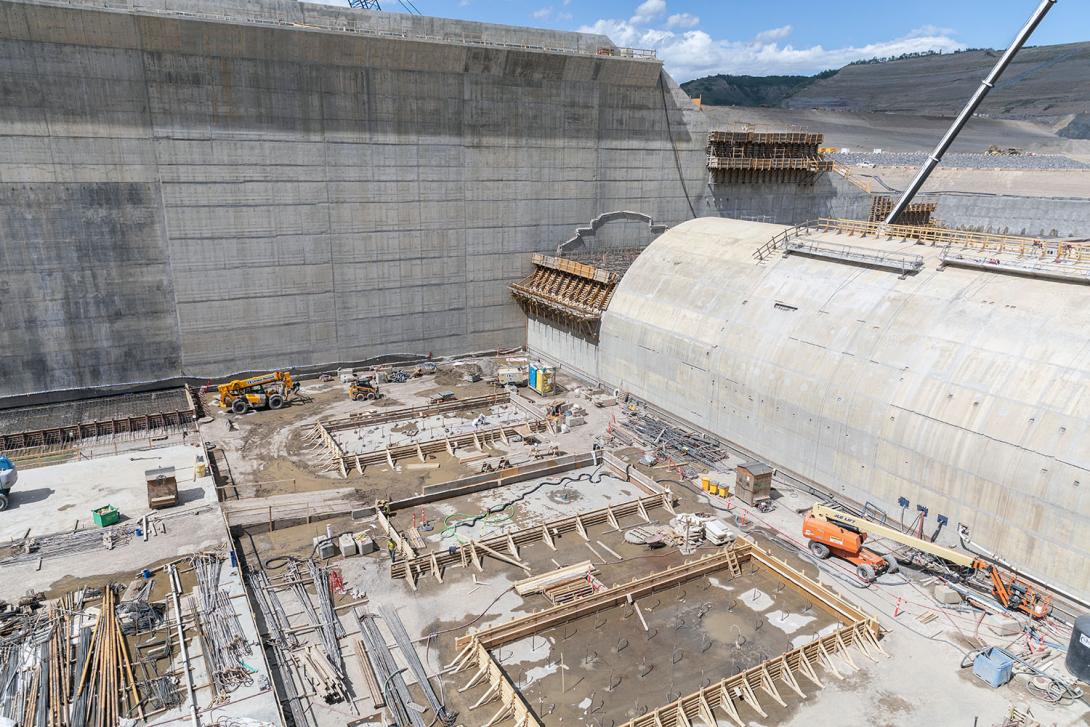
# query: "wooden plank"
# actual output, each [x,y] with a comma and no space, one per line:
[519,628]
[538,583]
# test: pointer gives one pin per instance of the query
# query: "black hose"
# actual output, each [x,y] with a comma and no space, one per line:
[592,477]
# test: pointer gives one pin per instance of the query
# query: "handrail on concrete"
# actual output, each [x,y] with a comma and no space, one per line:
[1017,244]
[903,263]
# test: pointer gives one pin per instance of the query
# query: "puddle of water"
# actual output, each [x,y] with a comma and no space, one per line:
[756,599]
[788,623]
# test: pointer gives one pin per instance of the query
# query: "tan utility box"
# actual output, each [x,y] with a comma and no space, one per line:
[754,483]
[162,487]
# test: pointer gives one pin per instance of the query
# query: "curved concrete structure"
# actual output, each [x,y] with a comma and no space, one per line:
[962,390]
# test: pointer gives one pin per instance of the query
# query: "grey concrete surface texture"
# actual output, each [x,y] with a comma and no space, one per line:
[961,390]
[195,188]
[209,194]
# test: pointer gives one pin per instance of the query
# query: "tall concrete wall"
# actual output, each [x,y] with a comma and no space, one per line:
[195,188]
[575,352]
[1013,214]
[962,390]
[203,194]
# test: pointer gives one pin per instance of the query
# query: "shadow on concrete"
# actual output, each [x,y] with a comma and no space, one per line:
[191,495]
[19,497]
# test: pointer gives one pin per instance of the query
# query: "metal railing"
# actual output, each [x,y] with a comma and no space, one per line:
[644,54]
[762,137]
[780,240]
[1065,270]
[1012,244]
[900,262]
[767,164]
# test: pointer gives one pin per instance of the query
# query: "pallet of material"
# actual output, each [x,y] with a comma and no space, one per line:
[416,540]
[569,591]
[545,581]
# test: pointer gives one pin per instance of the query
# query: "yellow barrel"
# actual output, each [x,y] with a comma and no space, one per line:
[722,491]
[705,483]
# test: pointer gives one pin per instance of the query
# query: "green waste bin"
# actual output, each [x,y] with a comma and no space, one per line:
[106,516]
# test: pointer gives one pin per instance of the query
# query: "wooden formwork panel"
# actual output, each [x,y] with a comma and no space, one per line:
[773,680]
[414,566]
[415,412]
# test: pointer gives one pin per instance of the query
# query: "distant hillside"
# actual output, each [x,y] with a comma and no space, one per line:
[1045,84]
[726,90]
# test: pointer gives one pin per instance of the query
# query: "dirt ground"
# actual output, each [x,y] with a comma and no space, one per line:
[609,668]
[271,452]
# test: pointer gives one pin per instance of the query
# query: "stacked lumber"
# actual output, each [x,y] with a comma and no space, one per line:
[555,578]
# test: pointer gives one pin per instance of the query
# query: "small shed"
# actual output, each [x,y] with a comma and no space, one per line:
[754,482]
[162,487]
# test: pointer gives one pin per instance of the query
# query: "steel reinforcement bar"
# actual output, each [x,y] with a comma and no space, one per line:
[512,705]
[741,552]
[837,607]
[88,430]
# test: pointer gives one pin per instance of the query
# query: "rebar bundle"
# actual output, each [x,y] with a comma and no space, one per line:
[44,670]
[272,610]
[83,541]
[391,684]
[106,675]
[222,640]
[408,653]
[329,626]
[668,438]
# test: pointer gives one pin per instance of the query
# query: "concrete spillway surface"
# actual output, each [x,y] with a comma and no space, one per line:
[960,389]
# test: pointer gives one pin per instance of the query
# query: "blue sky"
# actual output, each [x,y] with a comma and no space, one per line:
[699,37]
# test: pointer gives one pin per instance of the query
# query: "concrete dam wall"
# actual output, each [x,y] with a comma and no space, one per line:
[263,184]
[194,189]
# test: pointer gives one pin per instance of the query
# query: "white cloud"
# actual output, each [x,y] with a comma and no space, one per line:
[693,52]
[648,11]
[682,20]
[925,30]
[767,36]
[550,13]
